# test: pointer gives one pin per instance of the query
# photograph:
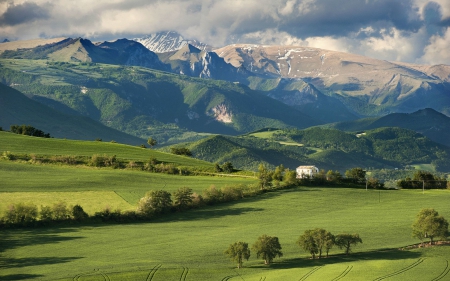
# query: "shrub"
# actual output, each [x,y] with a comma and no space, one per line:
[212,195]
[232,193]
[103,161]
[78,213]
[21,213]
[8,155]
[60,211]
[46,213]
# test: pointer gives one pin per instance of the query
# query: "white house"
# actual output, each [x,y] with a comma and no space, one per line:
[306,171]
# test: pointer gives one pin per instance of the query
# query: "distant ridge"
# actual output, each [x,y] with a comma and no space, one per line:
[429,122]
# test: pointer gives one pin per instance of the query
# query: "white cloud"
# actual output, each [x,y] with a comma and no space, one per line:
[437,52]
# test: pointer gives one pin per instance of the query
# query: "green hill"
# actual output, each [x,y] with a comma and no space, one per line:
[432,124]
[146,102]
[19,144]
[327,148]
[16,108]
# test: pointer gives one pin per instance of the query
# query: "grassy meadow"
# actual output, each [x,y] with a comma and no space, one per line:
[189,245]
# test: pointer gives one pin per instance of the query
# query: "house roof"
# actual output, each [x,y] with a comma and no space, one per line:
[306,167]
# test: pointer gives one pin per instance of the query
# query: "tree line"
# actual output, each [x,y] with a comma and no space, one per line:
[28,130]
[313,241]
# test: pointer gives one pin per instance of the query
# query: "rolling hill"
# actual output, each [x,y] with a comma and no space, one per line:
[146,102]
[329,149]
[16,108]
[430,123]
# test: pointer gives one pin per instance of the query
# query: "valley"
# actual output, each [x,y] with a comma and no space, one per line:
[239,113]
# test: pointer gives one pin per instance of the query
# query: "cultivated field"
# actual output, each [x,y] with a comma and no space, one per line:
[190,245]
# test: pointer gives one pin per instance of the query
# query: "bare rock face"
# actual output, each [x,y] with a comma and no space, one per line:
[222,114]
[169,41]
[382,86]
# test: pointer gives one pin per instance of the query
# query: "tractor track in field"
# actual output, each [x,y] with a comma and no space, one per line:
[411,266]
[343,274]
[262,278]
[104,275]
[304,277]
[226,278]
[152,272]
[443,273]
[184,274]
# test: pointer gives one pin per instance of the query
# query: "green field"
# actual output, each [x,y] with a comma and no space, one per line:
[190,245]
[27,145]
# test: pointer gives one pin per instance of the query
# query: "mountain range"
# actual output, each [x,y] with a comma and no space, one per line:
[188,92]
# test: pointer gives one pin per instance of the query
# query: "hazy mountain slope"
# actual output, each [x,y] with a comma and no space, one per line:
[168,41]
[365,85]
[141,101]
[430,123]
[194,62]
[27,44]
[121,52]
[17,109]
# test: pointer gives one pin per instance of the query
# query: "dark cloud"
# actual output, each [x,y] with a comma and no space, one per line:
[23,13]
[343,18]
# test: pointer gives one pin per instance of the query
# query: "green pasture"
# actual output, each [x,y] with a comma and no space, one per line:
[127,184]
[20,144]
[190,245]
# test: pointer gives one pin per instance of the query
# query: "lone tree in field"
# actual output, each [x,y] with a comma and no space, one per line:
[357,174]
[238,251]
[268,248]
[430,225]
[152,142]
[155,202]
[346,241]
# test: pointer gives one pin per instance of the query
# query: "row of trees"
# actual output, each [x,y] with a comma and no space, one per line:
[28,130]
[423,179]
[282,175]
[312,241]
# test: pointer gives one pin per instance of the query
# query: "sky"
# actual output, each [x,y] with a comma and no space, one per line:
[414,31]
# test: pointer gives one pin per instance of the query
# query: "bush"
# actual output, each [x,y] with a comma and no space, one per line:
[46,213]
[78,213]
[103,161]
[21,213]
[181,151]
[8,155]
[60,211]
[212,195]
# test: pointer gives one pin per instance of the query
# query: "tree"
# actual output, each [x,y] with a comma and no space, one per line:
[278,173]
[334,177]
[374,183]
[307,242]
[430,225]
[357,174]
[314,240]
[227,167]
[217,168]
[182,197]
[238,251]
[264,176]
[152,142]
[290,177]
[155,202]
[268,248]
[346,241]
[181,151]
[78,213]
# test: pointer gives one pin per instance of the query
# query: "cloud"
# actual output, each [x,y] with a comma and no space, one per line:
[27,12]
[386,29]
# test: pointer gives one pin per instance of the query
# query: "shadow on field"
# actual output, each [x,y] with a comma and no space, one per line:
[391,254]
[17,238]
[19,276]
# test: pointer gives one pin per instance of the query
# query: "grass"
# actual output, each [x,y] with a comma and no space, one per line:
[190,245]
[130,185]
[20,144]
